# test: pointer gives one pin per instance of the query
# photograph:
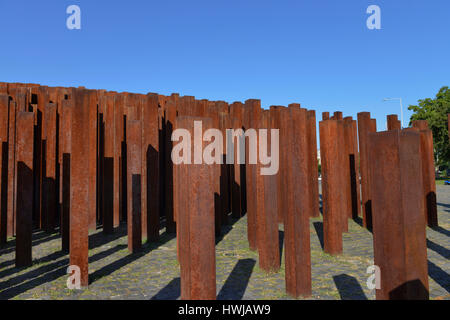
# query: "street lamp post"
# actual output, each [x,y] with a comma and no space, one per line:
[401,107]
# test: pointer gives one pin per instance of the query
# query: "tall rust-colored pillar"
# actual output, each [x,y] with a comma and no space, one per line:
[11,169]
[66,127]
[92,156]
[151,149]
[393,123]
[294,124]
[275,115]
[170,116]
[118,158]
[3,166]
[134,172]
[325,116]
[225,170]
[332,196]
[80,191]
[344,170]
[253,110]
[195,226]
[49,187]
[266,205]
[428,174]
[313,162]
[399,236]
[108,164]
[24,206]
[352,160]
[364,127]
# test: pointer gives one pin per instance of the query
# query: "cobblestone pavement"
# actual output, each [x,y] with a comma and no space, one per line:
[154,273]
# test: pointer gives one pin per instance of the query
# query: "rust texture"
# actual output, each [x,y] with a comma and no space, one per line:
[365,125]
[267,210]
[80,191]
[49,201]
[24,206]
[398,220]
[4,100]
[294,123]
[252,108]
[134,185]
[352,160]
[66,127]
[195,227]
[331,182]
[393,123]
[313,165]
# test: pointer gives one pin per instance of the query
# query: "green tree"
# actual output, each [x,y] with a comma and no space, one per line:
[435,112]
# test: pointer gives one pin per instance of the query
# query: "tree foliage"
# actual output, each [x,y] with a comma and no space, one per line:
[435,112]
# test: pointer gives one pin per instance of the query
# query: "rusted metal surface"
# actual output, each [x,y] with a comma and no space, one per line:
[66,127]
[253,109]
[80,191]
[344,181]
[11,169]
[134,185]
[313,163]
[352,160]
[298,202]
[24,206]
[3,164]
[107,184]
[267,209]
[428,173]
[398,219]
[365,125]
[195,224]
[49,201]
[92,156]
[275,115]
[420,124]
[393,123]
[151,149]
[332,196]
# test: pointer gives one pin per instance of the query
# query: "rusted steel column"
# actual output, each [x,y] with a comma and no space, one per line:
[420,124]
[313,163]
[170,116]
[92,156]
[393,123]
[3,166]
[66,137]
[344,182]
[352,161]
[80,191]
[151,163]
[118,158]
[238,167]
[49,181]
[398,220]
[266,206]
[24,206]
[337,115]
[275,115]
[325,116]
[195,224]
[428,174]
[364,127]
[107,184]
[11,169]
[42,97]
[134,172]
[225,170]
[298,202]
[253,110]
[332,196]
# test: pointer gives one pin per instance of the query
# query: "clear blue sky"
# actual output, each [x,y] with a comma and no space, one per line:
[316,52]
